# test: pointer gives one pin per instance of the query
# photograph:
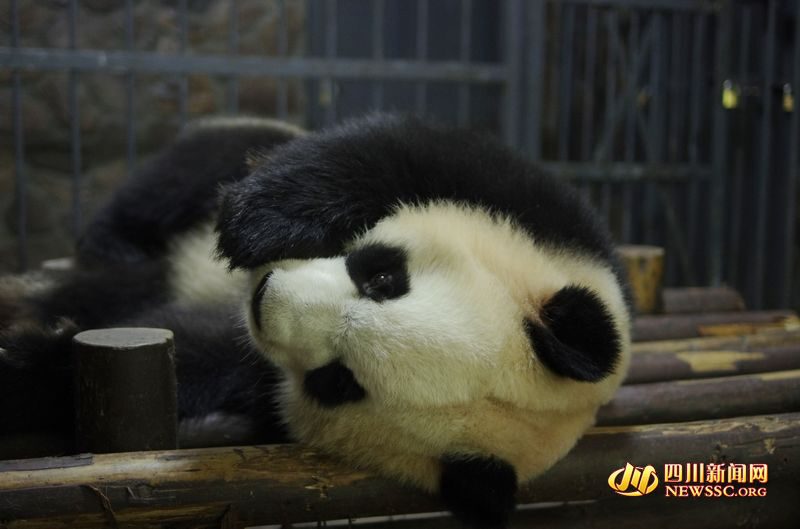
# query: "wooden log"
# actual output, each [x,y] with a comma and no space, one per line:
[235,487]
[693,300]
[713,398]
[645,267]
[35,444]
[777,509]
[646,367]
[670,327]
[738,329]
[126,392]
[683,365]
[773,338]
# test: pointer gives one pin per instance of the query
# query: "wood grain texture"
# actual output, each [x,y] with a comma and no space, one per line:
[694,300]
[676,326]
[645,267]
[772,338]
[689,400]
[126,397]
[283,483]
[660,366]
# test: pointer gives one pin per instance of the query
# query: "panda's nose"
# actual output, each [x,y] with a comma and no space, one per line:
[258,296]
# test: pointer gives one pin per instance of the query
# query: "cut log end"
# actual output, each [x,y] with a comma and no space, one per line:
[645,266]
[126,397]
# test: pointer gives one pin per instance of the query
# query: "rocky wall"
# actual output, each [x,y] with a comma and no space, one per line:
[102,101]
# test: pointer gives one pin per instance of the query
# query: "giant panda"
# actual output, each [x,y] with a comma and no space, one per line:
[416,300]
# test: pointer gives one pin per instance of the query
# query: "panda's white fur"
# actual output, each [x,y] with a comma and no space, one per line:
[195,276]
[448,366]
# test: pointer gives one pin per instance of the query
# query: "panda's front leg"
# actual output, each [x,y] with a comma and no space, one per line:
[479,490]
[36,378]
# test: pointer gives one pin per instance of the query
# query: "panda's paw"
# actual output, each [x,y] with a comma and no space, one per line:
[253,230]
[28,346]
[36,378]
[479,490]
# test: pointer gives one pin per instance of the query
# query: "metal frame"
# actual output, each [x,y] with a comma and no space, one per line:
[613,94]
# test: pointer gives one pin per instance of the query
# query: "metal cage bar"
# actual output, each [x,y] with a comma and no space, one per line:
[232,83]
[421,91]
[637,87]
[794,174]
[183,79]
[378,22]
[130,90]
[331,40]
[565,105]
[693,139]
[719,159]
[20,171]
[765,154]
[534,65]
[74,124]
[465,43]
[513,48]
[307,68]
[282,95]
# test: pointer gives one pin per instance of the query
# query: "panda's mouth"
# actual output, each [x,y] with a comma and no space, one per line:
[257,300]
[332,385]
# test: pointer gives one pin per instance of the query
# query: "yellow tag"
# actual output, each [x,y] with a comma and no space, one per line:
[730,95]
[788,98]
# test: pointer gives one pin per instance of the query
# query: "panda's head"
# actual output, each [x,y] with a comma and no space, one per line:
[442,333]
[444,345]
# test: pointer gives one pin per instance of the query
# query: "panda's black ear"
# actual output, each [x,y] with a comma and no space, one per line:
[576,336]
[479,490]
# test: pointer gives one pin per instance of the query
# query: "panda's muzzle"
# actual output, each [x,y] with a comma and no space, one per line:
[258,297]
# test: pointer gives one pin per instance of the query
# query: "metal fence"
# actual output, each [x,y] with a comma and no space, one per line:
[678,118]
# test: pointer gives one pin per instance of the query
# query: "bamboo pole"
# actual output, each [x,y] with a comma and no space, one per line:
[695,300]
[235,487]
[661,366]
[674,326]
[714,398]
[777,509]
[772,338]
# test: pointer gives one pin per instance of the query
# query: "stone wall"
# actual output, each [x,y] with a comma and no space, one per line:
[103,102]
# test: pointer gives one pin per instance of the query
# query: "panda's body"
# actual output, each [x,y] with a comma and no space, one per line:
[430,306]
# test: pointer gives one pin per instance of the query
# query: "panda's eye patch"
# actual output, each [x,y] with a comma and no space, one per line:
[378,271]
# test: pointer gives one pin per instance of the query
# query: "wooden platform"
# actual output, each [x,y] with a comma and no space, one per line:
[717,386]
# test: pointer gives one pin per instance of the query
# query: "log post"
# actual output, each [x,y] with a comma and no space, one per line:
[126,396]
[696,300]
[645,266]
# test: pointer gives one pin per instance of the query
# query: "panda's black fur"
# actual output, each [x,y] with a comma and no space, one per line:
[288,196]
[353,175]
